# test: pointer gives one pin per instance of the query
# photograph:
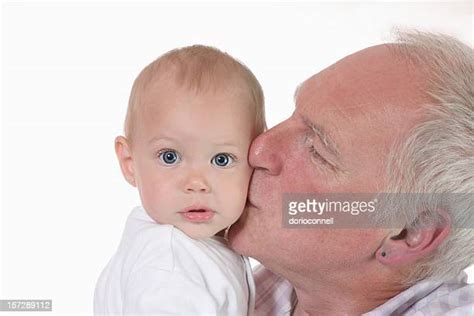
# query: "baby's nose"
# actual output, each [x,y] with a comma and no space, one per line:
[197,184]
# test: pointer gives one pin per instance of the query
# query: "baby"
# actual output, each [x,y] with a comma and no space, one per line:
[191,117]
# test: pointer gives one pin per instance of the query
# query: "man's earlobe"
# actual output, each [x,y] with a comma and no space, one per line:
[414,243]
[124,156]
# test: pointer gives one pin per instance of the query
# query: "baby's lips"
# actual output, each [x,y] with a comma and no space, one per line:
[197,208]
[197,214]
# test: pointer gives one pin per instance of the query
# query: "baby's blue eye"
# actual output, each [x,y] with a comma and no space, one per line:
[169,157]
[222,160]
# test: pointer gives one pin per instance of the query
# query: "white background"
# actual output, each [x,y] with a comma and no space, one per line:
[67,72]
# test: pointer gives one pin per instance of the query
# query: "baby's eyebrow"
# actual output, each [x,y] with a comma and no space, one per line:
[229,144]
[157,139]
[170,139]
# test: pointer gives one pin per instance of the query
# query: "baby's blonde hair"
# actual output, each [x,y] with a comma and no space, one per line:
[200,69]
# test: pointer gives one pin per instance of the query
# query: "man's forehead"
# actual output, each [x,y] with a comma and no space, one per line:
[375,76]
[355,97]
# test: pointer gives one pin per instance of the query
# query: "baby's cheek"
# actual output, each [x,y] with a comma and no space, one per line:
[240,193]
[158,195]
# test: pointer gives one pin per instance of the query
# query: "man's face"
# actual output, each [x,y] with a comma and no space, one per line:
[190,158]
[346,119]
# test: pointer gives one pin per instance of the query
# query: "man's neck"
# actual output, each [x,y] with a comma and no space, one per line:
[352,294]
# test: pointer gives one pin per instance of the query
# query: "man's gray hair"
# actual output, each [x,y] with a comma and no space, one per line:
[438,154]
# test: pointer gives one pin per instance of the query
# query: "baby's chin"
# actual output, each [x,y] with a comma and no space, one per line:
[200,231]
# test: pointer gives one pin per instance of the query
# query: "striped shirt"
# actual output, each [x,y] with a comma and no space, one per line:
[275,297]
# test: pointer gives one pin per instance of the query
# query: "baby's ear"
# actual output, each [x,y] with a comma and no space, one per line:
[124,155]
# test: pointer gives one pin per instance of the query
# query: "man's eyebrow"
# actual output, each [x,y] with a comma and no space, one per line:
[326,140]
[295,95]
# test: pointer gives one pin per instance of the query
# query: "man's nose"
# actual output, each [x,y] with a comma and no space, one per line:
[266,150]
[196,183]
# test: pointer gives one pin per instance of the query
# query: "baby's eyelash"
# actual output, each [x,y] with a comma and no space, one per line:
[163,150]
[234,157]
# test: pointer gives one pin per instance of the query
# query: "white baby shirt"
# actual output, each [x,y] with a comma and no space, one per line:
[159,270]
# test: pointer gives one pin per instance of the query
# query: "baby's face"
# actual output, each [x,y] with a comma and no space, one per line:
[190,158]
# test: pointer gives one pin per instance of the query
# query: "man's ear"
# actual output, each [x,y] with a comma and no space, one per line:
[124,155]
[416,241]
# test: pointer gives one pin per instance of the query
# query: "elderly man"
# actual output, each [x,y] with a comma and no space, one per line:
[390,118]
